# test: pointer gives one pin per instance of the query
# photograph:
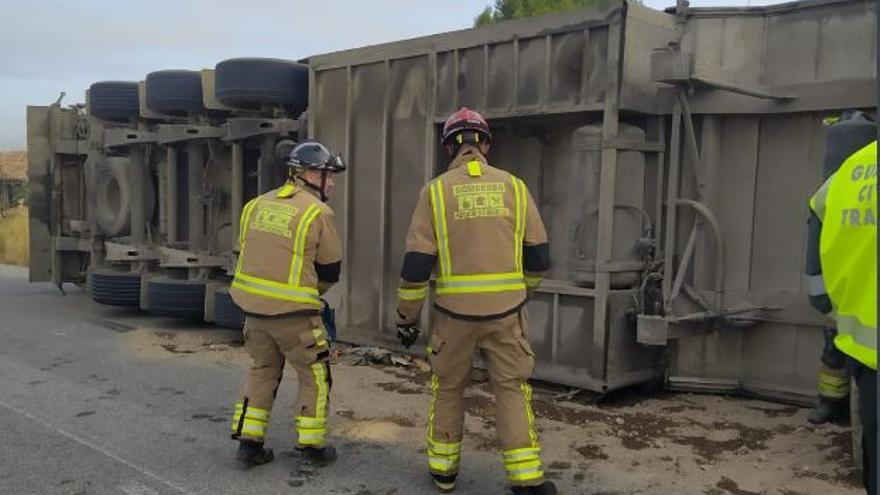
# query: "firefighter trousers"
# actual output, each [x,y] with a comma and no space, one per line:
[503,345]
[302,342]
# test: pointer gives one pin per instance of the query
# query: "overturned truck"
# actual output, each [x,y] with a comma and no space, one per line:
[671,154]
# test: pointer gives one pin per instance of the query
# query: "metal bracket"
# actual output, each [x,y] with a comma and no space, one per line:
[245,127]
[120,136]
[124,252]
[175,258]
[677,67]
[176,133]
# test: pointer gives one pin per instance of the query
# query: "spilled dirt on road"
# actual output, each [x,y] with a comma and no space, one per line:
[666,443]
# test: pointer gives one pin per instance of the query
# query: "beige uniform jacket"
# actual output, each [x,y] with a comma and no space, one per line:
[290,253]
[477,228]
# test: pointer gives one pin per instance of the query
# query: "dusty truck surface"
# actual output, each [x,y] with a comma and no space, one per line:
[671,155]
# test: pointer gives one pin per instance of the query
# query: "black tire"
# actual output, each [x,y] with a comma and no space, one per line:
[115,101]
[227,314]
[113,196]
[112,288]
[176,298]
[250,83]
[174,92]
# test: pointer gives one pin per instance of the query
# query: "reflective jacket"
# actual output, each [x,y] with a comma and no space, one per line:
[478,229]
[846,204]
[290,253]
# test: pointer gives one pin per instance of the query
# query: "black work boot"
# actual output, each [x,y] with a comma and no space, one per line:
[548,488]
[318,457]
[253,453]
[444,484]
[824,412]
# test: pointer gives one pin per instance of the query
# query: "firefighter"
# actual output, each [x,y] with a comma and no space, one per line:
[480,229]
[846,206]
[290,255]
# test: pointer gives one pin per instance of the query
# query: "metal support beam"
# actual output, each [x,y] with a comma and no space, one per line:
[671,195]
[236,192]
[138,196]
[195,162]
[172,192]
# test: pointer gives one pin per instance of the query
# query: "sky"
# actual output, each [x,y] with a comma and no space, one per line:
[49,46]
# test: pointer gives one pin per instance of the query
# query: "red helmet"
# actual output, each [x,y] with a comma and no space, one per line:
[466,119]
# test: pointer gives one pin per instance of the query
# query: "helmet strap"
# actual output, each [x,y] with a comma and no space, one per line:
[323,185]
[313,187]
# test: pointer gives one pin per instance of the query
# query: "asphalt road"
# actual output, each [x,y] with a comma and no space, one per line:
[81,415]
[97,400]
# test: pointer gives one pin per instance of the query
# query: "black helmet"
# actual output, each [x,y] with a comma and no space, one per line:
[315,156]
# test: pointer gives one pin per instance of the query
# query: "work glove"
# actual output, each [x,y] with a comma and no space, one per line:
[407,333]
[328,316]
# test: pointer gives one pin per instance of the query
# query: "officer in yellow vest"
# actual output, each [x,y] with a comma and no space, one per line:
[846,204]
[290,255]
[845,133]
[479,226]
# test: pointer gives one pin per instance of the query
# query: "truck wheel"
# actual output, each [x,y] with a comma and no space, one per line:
[116,101]
[113,196]
[176,298]
[227,314]
[250,83]
[113,288]
[174,92]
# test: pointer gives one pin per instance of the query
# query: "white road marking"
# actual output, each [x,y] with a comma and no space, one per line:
[137,488]
[144,471]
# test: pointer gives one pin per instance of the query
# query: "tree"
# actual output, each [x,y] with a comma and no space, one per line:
[515,9]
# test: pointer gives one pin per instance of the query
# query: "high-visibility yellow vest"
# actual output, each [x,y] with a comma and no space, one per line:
[847,206]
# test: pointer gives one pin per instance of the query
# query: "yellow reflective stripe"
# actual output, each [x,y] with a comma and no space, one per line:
[319,371]
[852,348]
[253,430]
[474,169]
[481,277]
[300,294]
[443,448]
[526,474]
[286,190]
[521,454]
[435,387]
[485,282]
[412,294]
[299,245]
[307,423]
[530,414]
[320,340]
[253,412]
[519,234]
[532,282]
[440,464]
[819,199]
[276,285]
[438,206]
[243,230]
[482,288]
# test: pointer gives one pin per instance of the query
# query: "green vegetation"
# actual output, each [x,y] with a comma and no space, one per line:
[14,236]
[515,9]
